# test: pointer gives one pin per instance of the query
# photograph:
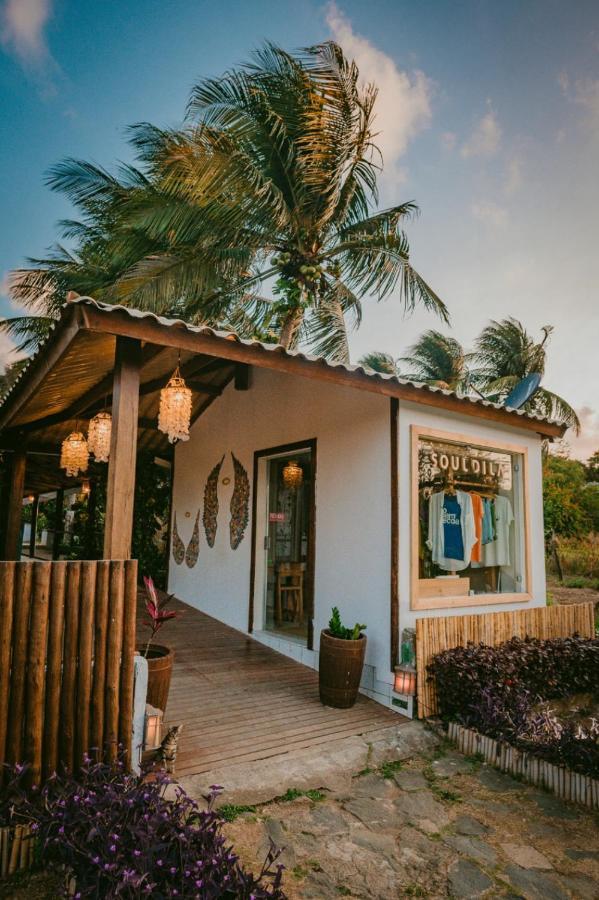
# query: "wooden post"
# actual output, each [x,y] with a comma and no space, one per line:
[58,523]
[123,446]
[34,511]
[15,505]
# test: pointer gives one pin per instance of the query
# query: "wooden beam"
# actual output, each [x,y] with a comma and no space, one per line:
[394,581]
[15,505]
[146,329]
[58,524]
[41,365]
[32,535]
[120,491]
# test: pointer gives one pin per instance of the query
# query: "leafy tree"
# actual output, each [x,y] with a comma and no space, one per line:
[273,178]
[593,467]
[563,492]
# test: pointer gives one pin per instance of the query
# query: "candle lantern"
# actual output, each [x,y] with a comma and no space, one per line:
[405,673]
[293,475]
[74,454]
[153,727]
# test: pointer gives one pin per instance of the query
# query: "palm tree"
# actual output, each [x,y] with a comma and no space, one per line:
[271,182]
[505,354]
[381,362]
[438,360]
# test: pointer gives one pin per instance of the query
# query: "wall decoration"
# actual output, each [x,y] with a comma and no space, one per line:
[193,548]
[240,502]
[178,545]
[210,517]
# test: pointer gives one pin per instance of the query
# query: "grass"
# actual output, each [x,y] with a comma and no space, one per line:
[388,769]
[231,811]
[293,794]
[436,788]
[414,890]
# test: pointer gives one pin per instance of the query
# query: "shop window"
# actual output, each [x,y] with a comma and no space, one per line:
[470,538]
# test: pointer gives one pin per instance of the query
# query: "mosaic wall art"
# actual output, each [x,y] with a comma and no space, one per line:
[240,502]
[210,517]
[193,548]
[178,545]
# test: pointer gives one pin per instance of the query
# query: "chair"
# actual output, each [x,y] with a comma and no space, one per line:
[290,591]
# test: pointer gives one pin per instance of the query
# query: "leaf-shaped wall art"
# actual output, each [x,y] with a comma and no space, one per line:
[193,548]
[178,545]
[240,502]
[210,517]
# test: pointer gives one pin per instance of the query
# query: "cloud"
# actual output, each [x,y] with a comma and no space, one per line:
[490,213]
[403,106]
[586,94]
[485,138]
[22,24]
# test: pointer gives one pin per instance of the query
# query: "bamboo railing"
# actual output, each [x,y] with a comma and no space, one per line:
[433,635]
[67,641]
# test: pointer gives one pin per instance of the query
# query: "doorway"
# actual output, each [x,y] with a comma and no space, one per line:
[287,551]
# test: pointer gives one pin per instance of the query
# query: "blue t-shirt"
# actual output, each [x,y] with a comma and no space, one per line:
[453,542]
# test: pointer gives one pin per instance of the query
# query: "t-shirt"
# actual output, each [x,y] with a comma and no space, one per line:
[497,552]
[477,509]
[488,524]
[453,542]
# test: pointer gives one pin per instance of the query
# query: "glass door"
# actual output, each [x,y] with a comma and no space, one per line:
[289,499]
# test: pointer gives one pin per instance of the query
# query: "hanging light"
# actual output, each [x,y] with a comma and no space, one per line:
[293,475]
[174,416]
[74,455]
[98,436]
[86,487]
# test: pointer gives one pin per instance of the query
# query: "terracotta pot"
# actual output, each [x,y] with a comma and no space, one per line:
[340,669]
[160,667]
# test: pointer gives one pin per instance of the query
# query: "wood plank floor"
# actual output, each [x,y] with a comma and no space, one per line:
[241,701]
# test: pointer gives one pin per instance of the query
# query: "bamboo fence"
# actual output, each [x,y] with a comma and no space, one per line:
[559,780]
[67,641]
[433,635]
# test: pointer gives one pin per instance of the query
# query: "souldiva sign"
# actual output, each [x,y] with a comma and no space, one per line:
[465,462]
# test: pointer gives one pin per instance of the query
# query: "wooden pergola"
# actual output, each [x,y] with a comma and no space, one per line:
[101,356]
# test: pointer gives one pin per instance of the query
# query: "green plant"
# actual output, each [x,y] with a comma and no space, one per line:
[293,794]
[231,811]
[388,769]
[338,630]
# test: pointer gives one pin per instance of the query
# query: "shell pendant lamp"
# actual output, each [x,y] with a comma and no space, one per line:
[74,454]
[174,416]
[98,436]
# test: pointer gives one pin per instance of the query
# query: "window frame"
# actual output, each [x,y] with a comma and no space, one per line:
[417,599]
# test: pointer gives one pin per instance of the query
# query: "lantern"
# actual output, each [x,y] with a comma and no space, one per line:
[405,680]
[293,475]
[86,487]
[74,455]
[153,727]
[98,436]
[174,416]
[405,674]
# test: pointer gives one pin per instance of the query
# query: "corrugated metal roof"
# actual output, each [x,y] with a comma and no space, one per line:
[277,348]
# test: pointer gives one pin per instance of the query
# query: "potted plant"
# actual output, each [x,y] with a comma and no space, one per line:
[160,658]
[341,662]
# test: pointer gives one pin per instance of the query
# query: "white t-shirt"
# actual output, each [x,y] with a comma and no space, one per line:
[497,553]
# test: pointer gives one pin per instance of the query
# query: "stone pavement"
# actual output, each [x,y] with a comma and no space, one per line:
[427,823]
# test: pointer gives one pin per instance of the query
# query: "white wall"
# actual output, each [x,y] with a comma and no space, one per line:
[352,499]
[412,414]
[352,566]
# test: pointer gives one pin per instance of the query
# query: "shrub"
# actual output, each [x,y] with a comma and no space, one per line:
[118,835]
[496,689]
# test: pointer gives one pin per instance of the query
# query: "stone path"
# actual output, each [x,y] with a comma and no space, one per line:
[431,824]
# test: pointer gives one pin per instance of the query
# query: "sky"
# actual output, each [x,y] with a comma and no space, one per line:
[488,117]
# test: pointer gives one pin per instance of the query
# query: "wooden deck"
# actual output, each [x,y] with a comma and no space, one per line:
[241,701]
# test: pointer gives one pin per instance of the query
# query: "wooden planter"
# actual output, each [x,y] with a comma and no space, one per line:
[160,667]
[340,669]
